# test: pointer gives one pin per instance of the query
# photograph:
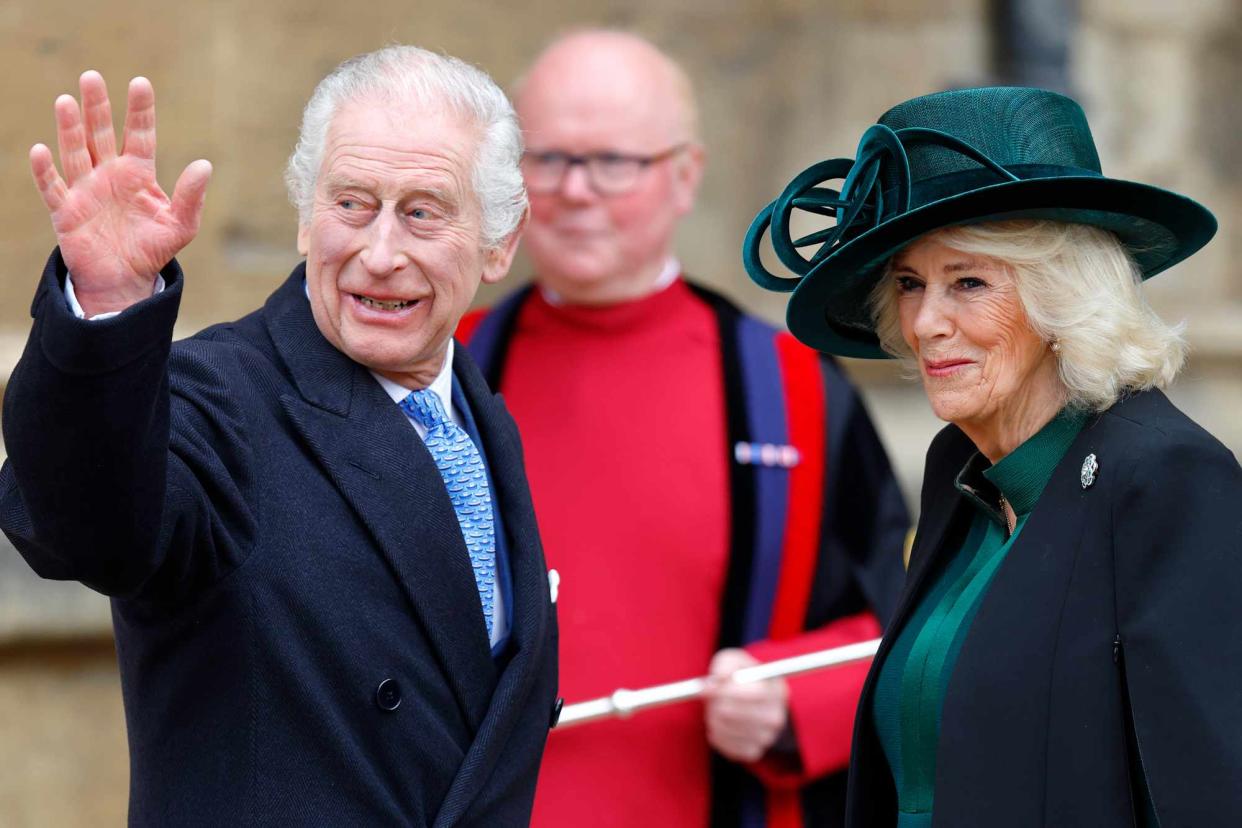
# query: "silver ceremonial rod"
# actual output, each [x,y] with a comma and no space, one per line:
[624,702]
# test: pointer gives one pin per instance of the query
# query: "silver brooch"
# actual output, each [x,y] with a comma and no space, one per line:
[1089,467]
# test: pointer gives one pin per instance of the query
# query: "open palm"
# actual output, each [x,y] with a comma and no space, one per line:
[116,227]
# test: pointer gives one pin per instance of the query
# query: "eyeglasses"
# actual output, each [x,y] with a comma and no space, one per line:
[609,173]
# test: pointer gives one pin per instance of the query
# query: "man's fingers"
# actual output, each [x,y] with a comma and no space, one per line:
[140,120]
[71,138]
[49,182]
[190,194]
[100,134]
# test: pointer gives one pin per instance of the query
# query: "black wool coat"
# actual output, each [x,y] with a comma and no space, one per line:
[297,624]
[1107,652]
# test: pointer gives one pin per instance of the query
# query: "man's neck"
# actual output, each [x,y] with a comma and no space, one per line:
[649,280]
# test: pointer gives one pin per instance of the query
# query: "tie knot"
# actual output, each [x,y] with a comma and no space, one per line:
[424,407]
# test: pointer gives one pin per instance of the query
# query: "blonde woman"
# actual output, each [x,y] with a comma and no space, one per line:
[1066,651]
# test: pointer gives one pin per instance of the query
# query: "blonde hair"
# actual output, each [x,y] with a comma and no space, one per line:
[1079,288]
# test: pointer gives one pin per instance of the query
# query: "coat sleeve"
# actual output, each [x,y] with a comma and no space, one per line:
[854,591]
[1178,552]
[117,477]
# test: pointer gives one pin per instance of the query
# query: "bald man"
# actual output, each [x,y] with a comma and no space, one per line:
[711,492]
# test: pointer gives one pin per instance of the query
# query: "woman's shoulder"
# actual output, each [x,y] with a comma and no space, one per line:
[1148,419]
[1155,438]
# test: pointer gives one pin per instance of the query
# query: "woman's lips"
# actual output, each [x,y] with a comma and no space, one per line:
[945,367]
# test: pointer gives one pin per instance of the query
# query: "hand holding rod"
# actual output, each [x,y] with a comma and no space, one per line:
[624,702]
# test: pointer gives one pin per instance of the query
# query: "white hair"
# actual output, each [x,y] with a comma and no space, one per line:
[408,73]
[1079,288]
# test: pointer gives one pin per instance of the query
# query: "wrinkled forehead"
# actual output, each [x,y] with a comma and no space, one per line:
[400,134]
[403,115]
[394,150]
[937,255]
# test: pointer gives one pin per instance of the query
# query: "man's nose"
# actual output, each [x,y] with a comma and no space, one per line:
[576,185]
[383,253]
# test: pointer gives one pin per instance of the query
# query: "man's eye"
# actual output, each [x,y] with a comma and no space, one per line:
[548,159]
[419,213]
[347,204]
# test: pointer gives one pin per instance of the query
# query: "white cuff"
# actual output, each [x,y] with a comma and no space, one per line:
[76,307]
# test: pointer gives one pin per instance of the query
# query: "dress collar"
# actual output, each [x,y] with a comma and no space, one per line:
[1022,474]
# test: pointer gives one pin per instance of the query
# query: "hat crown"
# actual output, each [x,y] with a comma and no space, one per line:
[1033,133]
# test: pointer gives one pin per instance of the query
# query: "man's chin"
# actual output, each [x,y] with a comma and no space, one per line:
[587,278]
[393,363]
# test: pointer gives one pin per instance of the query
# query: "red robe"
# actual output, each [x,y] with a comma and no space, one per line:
[620,410]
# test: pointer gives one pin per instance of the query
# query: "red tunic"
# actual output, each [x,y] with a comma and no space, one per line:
[620,413]
[623,413]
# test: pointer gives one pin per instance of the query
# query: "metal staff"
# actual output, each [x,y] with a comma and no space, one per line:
[624,702]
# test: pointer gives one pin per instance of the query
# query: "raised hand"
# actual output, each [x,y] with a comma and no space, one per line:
[115,226]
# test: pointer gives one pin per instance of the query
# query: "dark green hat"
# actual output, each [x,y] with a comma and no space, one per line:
[959,157]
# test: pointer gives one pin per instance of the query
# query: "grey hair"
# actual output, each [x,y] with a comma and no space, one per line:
[414,74]
[1080,288]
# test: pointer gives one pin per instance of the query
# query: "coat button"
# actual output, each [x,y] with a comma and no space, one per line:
[388,695]
[556,712]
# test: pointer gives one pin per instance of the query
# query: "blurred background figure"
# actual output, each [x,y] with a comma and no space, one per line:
[779,86]
[703,482]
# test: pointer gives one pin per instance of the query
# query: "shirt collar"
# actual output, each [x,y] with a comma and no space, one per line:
[1022,474]
[441,386]
[668,275]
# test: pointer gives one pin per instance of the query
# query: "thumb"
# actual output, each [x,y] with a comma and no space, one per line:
[190,194]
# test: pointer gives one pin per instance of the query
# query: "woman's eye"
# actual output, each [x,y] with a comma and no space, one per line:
[906,284]
[970,283]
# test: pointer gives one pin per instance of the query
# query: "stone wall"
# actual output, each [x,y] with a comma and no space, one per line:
[783,83]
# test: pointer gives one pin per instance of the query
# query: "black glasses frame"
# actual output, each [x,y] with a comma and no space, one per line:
[591,163]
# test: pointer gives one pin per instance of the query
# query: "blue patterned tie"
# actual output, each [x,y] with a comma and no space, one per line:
[465,477]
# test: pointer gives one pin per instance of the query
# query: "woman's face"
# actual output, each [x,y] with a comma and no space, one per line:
[983,368]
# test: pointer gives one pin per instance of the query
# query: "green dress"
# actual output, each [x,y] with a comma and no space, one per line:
[912,681]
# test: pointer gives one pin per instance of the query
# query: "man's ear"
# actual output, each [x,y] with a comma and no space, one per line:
[688,174]
[497,260]
[303,239]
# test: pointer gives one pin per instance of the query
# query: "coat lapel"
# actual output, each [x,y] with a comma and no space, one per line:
[938,511]
[528,634]
[386,474]
[871,794]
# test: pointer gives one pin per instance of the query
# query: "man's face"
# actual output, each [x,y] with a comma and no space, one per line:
[393,246]
[585,245]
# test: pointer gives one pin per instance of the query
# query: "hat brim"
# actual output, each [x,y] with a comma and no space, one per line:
[829,308]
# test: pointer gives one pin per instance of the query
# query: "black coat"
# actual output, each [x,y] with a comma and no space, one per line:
[1109,642]
[278,542]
